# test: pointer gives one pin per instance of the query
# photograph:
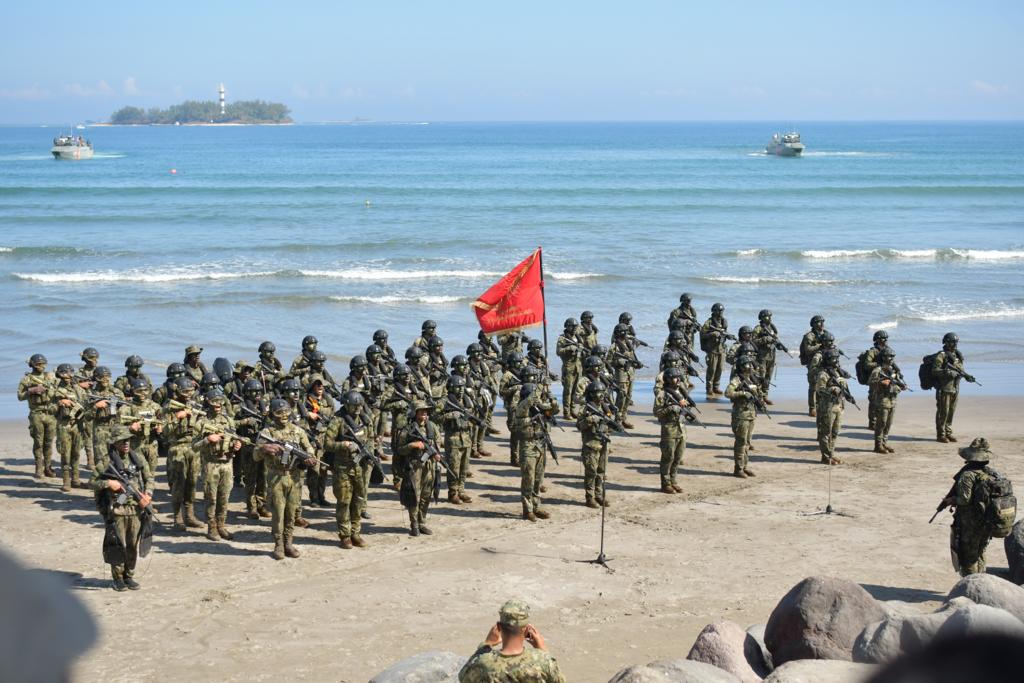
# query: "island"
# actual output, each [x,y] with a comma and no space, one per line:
[194,112]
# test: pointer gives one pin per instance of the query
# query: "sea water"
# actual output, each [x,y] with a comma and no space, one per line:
[227,236]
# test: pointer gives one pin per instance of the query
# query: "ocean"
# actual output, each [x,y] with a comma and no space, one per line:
[226,236]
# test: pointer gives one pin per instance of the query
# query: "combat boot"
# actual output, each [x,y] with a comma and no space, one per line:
[469,475]
[889,449]
[484,453]
[346,543]
[289,549]
[179,523]
[66,485]
[492,431]
[950,438]
[529,517]
[768,401]
[749,472]
[252,514]
[677,489]
[453,498]
[278,553]
[301,522]
[604,502]
[542,514]
[190,519]
[211,532]
[414,528]
[425,530]
[591,503]
[812,413]
[739,474]
[263,512]
[358,541]
[627,424]
[879,448]
[48,471]
[464,498]
[40,472]
[941,439]
[222,528]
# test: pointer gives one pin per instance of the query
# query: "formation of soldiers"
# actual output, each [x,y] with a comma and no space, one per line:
[273,429]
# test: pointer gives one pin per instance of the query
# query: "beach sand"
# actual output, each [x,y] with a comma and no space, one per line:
[726,549]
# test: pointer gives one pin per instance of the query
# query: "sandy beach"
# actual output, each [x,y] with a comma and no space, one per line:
[727,548]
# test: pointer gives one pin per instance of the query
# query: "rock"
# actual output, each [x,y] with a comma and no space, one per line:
[673,671]
[973,620]
[756,633]
[820,671]
[426,667]
[886,640]
[1014,546]
[724,644]
[987,589]
[899,608]
[820,618]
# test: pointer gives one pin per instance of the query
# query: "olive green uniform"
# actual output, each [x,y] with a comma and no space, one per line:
[969,535]
[84,375]
[488,665]
[871,360]
[149,415]
[103,419]
[254,474]
[42,420]
[122,515]
[947,389]
[713,339]
[218,474]
[884,406]
[69,431]
[284,482]
[742,392]
[532,445]
[766,338]
[673,436]
[183,462]
[350,490]
[458,443]
[418,475]
[830,404]
[570,352]
[810,347]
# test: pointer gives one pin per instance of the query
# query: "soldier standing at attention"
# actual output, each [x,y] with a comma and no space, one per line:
[570,351]
[530,406]
[122,513]
[683,317]
[183,462]
[623,358]
[268,368]
[587,332]
[595,414]
[349,424]
[284,479]
[866,363]
[972,495]
[302,360]
[885,383]
[947,371]
[504,655]
[217,449]
[766,339]
[428,330]
[132,370]
[70,400]
[141,416]
[90,359]
[194,367]
[809,346]
[829,395]
[458,438]
[669,402]
[745,393]
[380,338]
[37,387]
[420,453]
[251,416]
[103,411]
[713,335]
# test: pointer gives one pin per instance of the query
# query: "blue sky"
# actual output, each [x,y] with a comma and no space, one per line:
[456,60]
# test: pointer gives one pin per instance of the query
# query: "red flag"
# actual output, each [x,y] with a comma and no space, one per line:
[514,301]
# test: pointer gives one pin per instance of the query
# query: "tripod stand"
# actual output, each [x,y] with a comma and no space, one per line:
[829,510]
[601,559]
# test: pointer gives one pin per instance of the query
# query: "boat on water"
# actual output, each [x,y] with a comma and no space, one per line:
[785,145]
[73,147]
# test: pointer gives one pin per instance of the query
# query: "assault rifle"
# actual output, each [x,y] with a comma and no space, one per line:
[773,339]
[636,340]
[545,421]
[942,506]
[429,451]
[112,474]
[291,455]
[113,401]
[684,402]
[714,329]
[630,359]
[844,390]
[959,372]
[895,378]
[349,434]
[755,396]
[465,413]
[614,424]
[206,428]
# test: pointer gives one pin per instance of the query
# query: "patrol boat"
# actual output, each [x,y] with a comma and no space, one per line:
[785,145]
[71,147]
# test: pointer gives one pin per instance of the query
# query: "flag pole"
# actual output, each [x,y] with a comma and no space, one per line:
[544,318]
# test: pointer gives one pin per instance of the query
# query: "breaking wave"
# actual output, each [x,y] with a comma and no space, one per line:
[391,299]
[950,254]
[783,280]
[953,316]
[887,325]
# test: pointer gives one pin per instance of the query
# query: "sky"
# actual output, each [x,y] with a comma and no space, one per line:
[456,60]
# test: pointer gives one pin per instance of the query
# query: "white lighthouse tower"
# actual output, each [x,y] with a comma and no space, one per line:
[222,109]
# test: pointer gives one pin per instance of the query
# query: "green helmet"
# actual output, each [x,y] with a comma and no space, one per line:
[89,352]
[37,359]
[133,362]
[354,402]
[64,370]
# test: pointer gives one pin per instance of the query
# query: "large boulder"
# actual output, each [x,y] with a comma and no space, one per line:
[972,620]
[986,589]
[756,633]
[426,667]
[673,671]
[894,636]
[725,644]
[1014,546]
[820,618]
[820,671]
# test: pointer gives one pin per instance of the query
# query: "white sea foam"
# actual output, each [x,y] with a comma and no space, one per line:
[993,314]
[396,299]
[750,252]
[913,253]
[176,275]
[571,276]
[755,280]
[6,250]
[388,274]
[838,253]
[989,254]
[887,325]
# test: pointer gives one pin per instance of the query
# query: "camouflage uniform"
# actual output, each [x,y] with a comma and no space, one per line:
[397,399]
[489,665]
[810,346]
[594,451]
[418,476]
[217,472]
[884,406]
[103,419]
[254,473]
[284,485]
[871,360]
[947,391]
[713,339]
[69,431]
[623,359]
[183,463]
[830,403]
[570,352]
[85,376]
[458,443]
[147,414]
[42,421]
[742,391]
[123,383]
[587,334]
[532,447]
[123,520]
[673,439]
[766,337]
[350,490]
[969,534]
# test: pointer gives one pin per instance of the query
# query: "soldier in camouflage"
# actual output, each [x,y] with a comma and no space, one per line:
[829,388]
[132,370]
[587,332]
[217,446]
[570,351]
[91,360]
[713,337]
[969,535]
[594,414]
[885,383]
[268,369]
[301,361]
[194,367]
[744,391]
[420,452]
[810,345]
[870,360]
[70,400]
[349,425]
[531,405]
[947,371]
[142,417]
[183,462]
[766,340]
[513,652]
[458,438]
[102,411]
[252,413]
[669,403]
[36,387]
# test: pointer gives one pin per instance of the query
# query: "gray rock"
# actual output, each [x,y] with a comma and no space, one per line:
[987,589]
[899,608]
[973,620]
[1014,547]
[820,618]
[821,671]
[426,667]
[724,644]
[673,671]
[756,633]
[885,640]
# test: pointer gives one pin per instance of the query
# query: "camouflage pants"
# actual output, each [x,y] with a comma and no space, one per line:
[570,378]
[623,397]
[350,494]
[673,446]
[69,445]
[883,423]
[945,406]
[42,426]
[183,475]
[742,428]
[531,469]
[713,374]
[595,462]
[458,462]
[767,370]
[284,490]
[422,475]
[812,398]
[101,439]
[830,421]
[86,428]
[872,407]
[968,549]
[218,478]
[255,478]
[121,545]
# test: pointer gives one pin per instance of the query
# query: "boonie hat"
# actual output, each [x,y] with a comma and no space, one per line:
[193,349]
[977,452]
[515,613]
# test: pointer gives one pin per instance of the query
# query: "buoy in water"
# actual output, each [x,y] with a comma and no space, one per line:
[174,171]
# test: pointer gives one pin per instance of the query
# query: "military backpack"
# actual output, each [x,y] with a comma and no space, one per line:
[924,371]
[1000,503]
[862,369]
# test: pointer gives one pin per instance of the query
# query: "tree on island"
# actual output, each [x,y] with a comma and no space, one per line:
[193,111]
